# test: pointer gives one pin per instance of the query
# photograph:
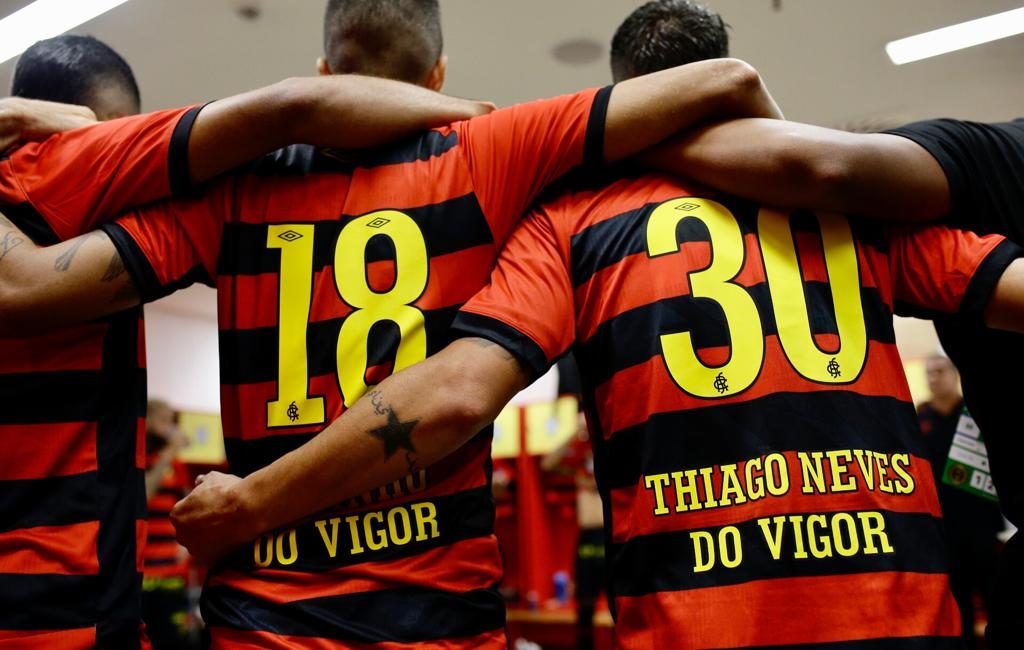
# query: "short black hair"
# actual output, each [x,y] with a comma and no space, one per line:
[396,39]
[71,69]
[665,33]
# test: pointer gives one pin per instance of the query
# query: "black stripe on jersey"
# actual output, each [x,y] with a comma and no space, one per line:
[632,337]
[48,602]
[607,243]
[48,397]
[730,433]
[160,538]
[301,159]
[593,143]
[29,221]
[666,561]
[249,356]
[409,615]
[979,289]
[180,174]
[247,456]
[895,643]
[151,562]
[464,515]
[139,266]
[530,355]
[610,241]
[62,396]
[121,498]
[54,501]
[448,227]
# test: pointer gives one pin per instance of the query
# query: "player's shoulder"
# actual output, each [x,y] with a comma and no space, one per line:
[587,195]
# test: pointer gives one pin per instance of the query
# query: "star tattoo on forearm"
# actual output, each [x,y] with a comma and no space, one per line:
[396,434]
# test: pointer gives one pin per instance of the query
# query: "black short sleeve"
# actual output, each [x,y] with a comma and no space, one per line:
[984,164]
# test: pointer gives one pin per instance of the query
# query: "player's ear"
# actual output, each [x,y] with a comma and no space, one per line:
[322,66]
[435,80]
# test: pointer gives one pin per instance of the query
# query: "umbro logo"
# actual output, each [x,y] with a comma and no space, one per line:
[289,235]
[379,222]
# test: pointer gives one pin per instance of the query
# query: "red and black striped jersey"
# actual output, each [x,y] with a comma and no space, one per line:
[162,556]
[756,446]
[332,271]
[72,501]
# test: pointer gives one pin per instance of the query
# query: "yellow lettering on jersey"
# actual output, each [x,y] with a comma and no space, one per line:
[293,406]
[839,464]
[813,472]
[330,541]
[786,285]
[717,283]
[901,465]
[370,307]
[656,483]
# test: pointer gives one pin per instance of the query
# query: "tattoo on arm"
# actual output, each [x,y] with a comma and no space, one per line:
[9,242]
[115,269]
[396,434]
[63,261]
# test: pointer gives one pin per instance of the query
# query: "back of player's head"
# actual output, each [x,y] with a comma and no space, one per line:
[78,70]
[665,33]
[396,39]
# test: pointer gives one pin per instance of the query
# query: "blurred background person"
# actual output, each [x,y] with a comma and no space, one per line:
[971,523]
[166,607]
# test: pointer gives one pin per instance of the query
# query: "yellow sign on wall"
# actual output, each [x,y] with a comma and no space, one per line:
[205,438]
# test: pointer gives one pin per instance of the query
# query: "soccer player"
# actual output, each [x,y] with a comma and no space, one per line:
[970,171]
[333,270]
[72,500]
[756,444]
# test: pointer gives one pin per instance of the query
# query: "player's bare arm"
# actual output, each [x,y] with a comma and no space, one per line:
[410,420]
[28,120]
[797,165]
[646,110]
[83,278]
[341,111]
[44,287]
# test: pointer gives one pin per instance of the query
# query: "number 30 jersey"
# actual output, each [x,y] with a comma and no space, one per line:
[332,272]
[756,446]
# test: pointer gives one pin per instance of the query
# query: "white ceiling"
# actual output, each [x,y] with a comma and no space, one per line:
[823,59]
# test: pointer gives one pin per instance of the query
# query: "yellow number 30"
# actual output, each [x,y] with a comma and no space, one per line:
[717,282]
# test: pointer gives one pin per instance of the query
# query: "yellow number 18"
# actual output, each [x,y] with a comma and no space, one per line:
[294,406]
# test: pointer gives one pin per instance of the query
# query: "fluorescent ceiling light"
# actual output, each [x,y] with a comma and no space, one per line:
[956,37]
[45,19]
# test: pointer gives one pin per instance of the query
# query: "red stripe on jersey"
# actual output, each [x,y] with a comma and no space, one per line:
[64,550]
[451,279]
[391,186]
[228,639]
[140,442]
[141,528]
[790,611]
[34,451]
[80,639]
[249,401]
[633,507]
[462,566]
[73,348]
[661,395]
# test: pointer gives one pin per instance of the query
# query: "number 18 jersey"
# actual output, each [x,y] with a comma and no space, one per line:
[332,272]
